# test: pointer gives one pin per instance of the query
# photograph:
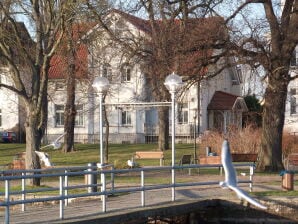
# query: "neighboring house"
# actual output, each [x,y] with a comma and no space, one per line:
[131,119]
[9,109]
[291,114]
[12,114]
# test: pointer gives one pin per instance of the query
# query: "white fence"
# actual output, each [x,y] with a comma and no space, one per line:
[106,187]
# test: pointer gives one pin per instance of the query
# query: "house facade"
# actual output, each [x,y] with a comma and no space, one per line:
[291,114]
[131,114]
[9,108]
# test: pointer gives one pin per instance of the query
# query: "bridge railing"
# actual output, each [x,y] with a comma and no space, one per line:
[63,192]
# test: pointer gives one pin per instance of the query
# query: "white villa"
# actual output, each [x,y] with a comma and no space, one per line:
[291,115]
[131,119]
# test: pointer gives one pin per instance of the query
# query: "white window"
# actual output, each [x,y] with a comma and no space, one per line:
[59,115]
[293,101]
[126,73]
[0,117]
[294,59]
[126,118]
[183,113]
[79,115]
[106,71]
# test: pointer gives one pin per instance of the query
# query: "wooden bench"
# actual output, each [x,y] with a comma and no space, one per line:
[185,160]
[150,155]
[236,157]
[244,157]
[292,161]
[210,160]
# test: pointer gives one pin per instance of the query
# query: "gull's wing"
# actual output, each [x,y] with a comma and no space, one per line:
[231,177]
[226,159]
[61,136]
[242,194]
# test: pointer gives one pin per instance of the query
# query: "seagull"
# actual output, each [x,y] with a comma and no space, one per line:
[131,163]
[230,176]
[56,144]
[44,157]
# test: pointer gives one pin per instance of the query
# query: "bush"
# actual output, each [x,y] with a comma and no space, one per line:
[246,140]
[289,144]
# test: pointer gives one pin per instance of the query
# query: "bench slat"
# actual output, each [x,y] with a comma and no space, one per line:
[292,161]
[149,155]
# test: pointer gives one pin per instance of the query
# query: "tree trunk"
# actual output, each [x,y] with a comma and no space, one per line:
[33,141]
[163,123]
[107,133]
[70,110]
[69,115]
[273,122]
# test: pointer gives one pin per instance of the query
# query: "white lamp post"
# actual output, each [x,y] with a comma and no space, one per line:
[101,85]
[173,82]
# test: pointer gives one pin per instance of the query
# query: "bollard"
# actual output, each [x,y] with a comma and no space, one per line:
[91,179]
[287,180]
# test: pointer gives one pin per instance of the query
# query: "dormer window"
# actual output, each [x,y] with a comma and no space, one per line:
[59,85]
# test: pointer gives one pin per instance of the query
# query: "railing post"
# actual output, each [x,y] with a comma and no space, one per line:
[7,186]
[173,183]
[112,179]
[62,197]
[251,173]
[66,187]
[103,191]
[142,185]
[23,190]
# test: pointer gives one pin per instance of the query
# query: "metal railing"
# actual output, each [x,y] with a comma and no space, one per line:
[106,187]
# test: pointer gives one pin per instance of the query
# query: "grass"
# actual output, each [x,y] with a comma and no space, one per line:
[118,155]
[276,193]
[86,153]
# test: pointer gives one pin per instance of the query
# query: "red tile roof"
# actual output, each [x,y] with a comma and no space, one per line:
[222,101]
[212,32]
[58,63]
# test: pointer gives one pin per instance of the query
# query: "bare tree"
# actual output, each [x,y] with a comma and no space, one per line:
[268,42]
[29,62]
[182,40]
[173,39]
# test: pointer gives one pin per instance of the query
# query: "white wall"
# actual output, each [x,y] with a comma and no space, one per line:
[9,104]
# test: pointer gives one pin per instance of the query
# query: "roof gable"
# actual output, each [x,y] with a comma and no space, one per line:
[226,101]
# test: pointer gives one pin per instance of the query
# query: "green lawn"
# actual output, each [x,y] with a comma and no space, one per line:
[118,155]
[86,153]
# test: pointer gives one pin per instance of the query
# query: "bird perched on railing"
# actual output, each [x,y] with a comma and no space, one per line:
[230,176]
[131,163]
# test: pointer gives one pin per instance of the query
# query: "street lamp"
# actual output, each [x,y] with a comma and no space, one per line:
[101,85]
[173,82]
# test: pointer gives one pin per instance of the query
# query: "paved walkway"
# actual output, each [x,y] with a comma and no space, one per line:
[81,209]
